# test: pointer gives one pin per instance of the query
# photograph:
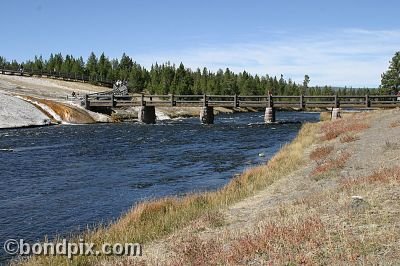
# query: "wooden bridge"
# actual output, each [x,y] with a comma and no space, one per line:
[147,103]
[97,80]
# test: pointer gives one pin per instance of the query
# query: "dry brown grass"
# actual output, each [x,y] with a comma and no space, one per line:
[319,229]
[348,137]
[332,130]
[386,175]
[279,243]
[148,221]
[395,124]
[389,145]
[321,153]
[329,165]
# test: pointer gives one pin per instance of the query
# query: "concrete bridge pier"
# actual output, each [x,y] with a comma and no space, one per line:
[147,114]
[207,115]
[335,113]
[269,116]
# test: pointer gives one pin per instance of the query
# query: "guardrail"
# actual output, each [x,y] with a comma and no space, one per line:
[108,99]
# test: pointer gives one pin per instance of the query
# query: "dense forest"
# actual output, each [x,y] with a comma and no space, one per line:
[168,78]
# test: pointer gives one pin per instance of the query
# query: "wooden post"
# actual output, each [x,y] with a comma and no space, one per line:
[87,103]
[112,100]
[302,105]
[173,103]
[337,103]
[270,101]
[142,102]
[205,103]
[367,101]
[235,101]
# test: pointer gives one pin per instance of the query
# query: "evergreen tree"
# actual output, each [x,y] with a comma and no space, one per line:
[91,66]
[166,78]
[136,81]
[2,61]
[78,66]
[390,82]
[305,84]
[38,63]
[104,67]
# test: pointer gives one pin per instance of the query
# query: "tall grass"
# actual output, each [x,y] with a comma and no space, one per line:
[148,221]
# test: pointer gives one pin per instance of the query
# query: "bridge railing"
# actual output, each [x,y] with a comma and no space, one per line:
[299,102]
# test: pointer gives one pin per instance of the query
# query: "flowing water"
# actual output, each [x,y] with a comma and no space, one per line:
[59,179]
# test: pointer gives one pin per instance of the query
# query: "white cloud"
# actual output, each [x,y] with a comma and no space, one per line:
[350,57]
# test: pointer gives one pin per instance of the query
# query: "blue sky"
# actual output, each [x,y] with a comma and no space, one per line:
[339,43]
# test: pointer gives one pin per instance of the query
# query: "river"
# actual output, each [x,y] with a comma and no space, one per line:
[59,179]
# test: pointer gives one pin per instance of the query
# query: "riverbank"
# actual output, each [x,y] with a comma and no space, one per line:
[338,206]
[329,197]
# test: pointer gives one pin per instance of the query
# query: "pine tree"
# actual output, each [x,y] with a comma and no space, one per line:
[91,66]
[305,84]
[136,81]
[390,82]
[2,61]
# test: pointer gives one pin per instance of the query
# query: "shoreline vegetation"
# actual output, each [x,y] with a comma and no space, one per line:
[338,205]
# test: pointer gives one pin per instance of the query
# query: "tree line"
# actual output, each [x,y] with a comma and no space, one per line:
[168,78]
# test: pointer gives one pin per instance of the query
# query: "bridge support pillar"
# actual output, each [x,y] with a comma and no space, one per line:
[207,115]
[269,116]
[335,113]
[147,114]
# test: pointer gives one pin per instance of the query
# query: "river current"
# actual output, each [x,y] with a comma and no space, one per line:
[61,179]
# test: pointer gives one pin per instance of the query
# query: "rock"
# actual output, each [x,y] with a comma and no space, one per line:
[15,112]
[358,204]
